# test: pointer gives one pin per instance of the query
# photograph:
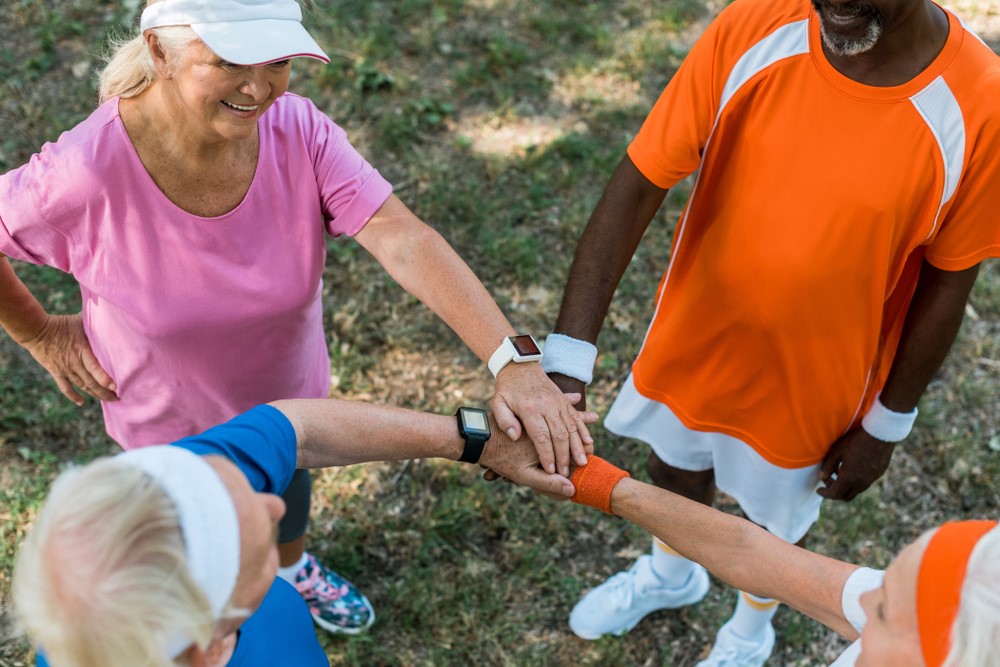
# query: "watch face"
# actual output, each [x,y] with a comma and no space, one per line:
[474,421]
[525,346]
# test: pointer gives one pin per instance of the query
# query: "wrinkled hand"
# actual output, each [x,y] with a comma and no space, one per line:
[518,462]
[573,386]
[62,348]
[853,463]
[556,428]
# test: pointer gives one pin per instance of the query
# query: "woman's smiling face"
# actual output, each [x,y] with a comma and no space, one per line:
[220,101]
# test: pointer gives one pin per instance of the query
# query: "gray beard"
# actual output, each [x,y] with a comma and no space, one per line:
[841,46]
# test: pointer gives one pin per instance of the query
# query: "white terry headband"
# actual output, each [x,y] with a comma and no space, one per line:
[207,519]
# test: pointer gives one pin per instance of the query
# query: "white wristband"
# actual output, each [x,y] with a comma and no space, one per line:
[569,356]
[861,581]
[887,425]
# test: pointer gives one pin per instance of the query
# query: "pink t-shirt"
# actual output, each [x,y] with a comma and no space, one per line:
[197,319]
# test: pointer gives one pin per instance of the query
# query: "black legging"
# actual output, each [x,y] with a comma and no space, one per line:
[297,497]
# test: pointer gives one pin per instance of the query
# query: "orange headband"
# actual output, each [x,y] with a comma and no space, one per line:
[939,584]
[594,483]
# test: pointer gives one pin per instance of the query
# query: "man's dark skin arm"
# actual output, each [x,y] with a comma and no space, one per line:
[616,226]
[932,322]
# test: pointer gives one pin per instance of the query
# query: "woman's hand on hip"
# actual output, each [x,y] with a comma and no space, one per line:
[62,348]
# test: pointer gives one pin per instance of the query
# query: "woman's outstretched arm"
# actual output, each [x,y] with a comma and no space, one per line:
[739,552]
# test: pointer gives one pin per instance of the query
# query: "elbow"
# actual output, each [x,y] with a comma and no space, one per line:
[418,246]
[752,557]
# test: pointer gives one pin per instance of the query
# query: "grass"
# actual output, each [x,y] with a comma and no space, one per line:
[499,122]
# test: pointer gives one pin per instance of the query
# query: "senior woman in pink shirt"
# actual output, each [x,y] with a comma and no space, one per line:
[192,208]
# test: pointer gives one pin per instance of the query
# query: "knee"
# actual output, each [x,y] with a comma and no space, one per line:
[694,484]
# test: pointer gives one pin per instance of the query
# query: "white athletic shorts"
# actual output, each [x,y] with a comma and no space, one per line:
[783,500]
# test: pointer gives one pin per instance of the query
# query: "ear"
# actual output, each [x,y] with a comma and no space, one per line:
[210,657]
[158,55]
[195,658]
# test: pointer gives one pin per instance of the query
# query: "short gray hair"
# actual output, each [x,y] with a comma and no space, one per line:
[102,578]
[130,69]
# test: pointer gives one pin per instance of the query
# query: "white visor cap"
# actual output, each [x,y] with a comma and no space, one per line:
[243,32]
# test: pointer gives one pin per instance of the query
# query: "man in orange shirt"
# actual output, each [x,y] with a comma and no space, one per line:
[847,158]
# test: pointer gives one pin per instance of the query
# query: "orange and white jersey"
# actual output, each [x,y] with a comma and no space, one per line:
[815,202]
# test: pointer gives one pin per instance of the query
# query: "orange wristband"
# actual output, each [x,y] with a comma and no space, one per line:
[594,483]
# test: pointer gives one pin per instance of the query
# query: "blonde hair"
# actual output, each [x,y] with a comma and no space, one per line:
[130,69]
[102,580]
[975,637]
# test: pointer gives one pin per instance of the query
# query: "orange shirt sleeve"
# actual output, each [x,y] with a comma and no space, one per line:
[669,145]
[970,230]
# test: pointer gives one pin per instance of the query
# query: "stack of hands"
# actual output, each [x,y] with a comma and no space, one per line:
[527,464]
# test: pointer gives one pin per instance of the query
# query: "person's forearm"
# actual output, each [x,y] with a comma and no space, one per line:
[613,233]
[932,323]
[21,315]
[442,281]
[333,432]
[426,266]
[739,552]
[719,541]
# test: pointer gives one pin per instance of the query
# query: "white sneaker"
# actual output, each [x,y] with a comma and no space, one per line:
[617,605]
[732,650]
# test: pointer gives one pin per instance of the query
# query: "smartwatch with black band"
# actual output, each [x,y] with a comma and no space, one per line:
[474,427]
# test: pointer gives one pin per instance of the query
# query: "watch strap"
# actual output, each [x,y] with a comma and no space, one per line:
[474,442]
[508,351]
[501,356]
[473,450]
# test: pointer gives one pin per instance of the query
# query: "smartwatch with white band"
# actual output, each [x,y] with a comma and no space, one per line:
[519,349]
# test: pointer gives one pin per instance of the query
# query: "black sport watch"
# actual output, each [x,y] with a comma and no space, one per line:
[474,427]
